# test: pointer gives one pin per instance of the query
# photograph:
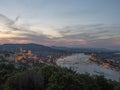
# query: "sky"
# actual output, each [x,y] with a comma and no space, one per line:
[72,23]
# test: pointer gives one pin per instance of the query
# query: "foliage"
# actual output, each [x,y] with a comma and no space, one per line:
[51,78]
[28,80]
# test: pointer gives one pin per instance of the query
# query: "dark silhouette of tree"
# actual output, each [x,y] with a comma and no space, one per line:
[29,80]
[52,78]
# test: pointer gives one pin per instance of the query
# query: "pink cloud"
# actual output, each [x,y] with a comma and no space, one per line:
[3,41]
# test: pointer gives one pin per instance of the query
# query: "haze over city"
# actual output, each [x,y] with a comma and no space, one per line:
[59,44]
[72,23]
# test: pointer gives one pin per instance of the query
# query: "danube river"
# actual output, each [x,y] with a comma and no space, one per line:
[78,62]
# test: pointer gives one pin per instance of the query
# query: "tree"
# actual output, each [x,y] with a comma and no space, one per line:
[29,80]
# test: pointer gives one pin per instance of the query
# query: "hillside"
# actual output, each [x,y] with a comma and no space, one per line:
[40,50]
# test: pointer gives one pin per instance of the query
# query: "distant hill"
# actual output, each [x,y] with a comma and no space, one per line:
[40,50]
[16,47]
[73,49]
[44,51]
[37,47]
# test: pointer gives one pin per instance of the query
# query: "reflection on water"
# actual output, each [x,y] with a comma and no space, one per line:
[79,63]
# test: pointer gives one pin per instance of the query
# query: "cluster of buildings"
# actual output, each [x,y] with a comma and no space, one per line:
[24,56]
[107,63]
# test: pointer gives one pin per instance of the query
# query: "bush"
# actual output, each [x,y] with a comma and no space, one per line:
[56,78]
[29,80]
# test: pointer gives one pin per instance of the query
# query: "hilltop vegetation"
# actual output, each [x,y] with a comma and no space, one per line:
[51,78]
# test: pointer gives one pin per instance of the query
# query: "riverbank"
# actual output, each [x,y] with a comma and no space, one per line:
[78,63]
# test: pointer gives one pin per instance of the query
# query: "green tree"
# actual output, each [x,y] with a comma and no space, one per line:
[29,80]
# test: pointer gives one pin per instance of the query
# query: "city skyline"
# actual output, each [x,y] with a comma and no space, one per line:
[72,23]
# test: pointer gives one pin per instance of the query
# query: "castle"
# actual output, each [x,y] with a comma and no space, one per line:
[25,55]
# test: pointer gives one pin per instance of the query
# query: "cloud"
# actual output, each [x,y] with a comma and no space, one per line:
[45,30]
[11,29]
[92,32]
[94,35]
[5,20]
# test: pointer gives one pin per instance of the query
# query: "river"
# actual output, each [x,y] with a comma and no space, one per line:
[78,63]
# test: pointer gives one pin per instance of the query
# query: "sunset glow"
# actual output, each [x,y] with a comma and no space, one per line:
[72,23]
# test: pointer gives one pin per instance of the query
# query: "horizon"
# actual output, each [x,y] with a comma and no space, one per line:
[60,46]
[66,23]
